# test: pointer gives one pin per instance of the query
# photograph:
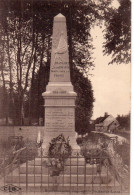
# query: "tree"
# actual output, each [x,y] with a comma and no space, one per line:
[20,50]
[84,101]
[124,121]
[27,53]
[118,32]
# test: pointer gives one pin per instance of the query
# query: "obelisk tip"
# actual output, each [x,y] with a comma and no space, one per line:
[59,16]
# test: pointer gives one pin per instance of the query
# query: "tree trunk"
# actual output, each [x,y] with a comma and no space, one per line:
[5,96]
[31,96]
[11,101]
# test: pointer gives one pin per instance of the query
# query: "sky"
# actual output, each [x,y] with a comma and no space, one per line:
[111,83]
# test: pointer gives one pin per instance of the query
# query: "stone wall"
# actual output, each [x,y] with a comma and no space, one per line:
[29,132]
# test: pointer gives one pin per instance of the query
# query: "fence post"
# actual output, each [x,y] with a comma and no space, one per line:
[4,165]
[77,171]
[41,167]
[70,172]
[85,177]
[63,168]
[26,170]
[107,172]
[48,170]
[19,171]
[34,172]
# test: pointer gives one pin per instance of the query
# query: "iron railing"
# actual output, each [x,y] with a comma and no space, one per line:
[77,176]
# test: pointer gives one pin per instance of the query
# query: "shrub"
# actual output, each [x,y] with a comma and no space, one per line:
[79,140]
[16,155]
[103,151]
[124,151]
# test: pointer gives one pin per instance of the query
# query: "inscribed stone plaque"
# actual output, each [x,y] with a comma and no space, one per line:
[59,119]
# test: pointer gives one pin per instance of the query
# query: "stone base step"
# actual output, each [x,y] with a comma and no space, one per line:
[69,188]
[80,170]
[71,161]
[62,179]
[77,176]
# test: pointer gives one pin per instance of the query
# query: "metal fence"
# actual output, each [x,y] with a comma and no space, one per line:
[21,171]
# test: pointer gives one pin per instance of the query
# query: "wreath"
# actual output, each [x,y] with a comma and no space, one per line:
[59,151]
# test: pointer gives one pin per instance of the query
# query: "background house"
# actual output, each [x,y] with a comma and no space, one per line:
[106,124]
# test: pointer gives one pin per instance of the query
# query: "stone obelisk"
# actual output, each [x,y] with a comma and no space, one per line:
[59,96]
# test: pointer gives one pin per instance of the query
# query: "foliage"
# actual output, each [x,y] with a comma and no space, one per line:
[123,133]
[84,102]
[4,146]
[118,32]
[15,154]
[124,121]
[24,54]
[31,151]
[58,152]
[100,150]
[124,151]
[79,140]
[3,102]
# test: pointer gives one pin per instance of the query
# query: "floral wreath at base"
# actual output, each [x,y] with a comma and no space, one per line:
[58,152]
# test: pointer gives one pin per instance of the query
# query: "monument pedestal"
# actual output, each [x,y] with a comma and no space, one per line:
[60,113]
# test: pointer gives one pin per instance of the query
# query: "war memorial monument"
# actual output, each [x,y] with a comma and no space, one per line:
[59,96]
